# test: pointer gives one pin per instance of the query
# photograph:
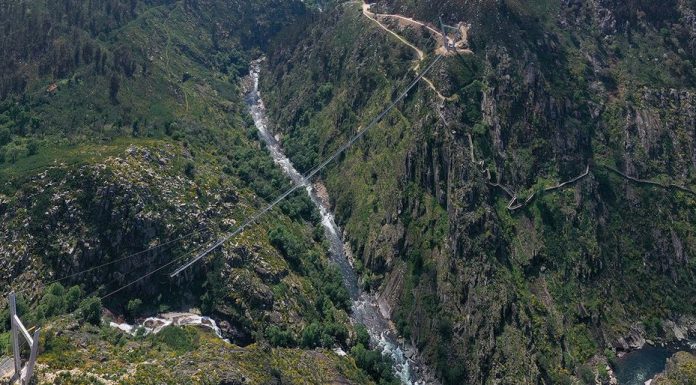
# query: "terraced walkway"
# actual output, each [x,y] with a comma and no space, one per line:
[515,202]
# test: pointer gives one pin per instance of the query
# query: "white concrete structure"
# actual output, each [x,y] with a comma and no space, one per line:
[22,374]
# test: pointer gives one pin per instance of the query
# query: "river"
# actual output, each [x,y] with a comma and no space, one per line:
[365,309]
[153,325]
[639,366]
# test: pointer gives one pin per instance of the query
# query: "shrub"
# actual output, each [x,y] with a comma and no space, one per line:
[72,298]
[603,374]
[611,357]
[653,326]
[586,375]
[336,331]
[90,310]
[179,339]
[59,351]
[5,136]
[32,148]
[379,367]
[287,243]
[4,343]
[133,307]
[444,327]
[13,152]
[311,335]
[326,340]
[190,169]
[279,337]
[362,336]
[53,302]
[332,285]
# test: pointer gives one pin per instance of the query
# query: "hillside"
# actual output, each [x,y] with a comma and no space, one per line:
[126,147]
[541,217]
[523,216]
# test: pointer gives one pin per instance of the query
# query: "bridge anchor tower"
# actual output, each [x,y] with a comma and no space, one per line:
[23,374]
[445,39]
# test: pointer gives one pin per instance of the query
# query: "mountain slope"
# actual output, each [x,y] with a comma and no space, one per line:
[126,147]
[494,289]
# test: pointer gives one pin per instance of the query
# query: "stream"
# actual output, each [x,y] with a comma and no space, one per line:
[365,307]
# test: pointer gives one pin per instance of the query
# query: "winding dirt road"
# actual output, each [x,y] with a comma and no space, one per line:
[421,55]
[373,16]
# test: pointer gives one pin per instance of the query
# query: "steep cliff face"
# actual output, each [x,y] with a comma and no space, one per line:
[458,206]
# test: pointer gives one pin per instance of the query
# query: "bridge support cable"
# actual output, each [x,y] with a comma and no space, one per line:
[161,247]
[311,174]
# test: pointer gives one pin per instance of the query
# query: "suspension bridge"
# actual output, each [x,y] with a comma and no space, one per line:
[11,368]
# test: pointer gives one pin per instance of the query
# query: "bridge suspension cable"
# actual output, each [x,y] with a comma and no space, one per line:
[309,175]
[163,245]
[279,199]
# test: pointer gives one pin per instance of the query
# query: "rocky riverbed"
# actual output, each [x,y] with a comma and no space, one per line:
[641,359]
[366,307]
[153,325]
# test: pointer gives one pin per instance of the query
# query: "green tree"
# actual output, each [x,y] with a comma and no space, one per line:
[311,335]
[190,169]
[279,337]
[53,301]
[326,340]
[288,244]
[90,310]
[5,135]
[5,343]
[72,298]
[13,152]
[32,147]
[362,336]
[376,365]
[133,307]
[114,87]
[179,339]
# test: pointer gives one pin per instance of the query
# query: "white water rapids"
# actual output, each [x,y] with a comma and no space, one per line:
[153,325]
[365,309]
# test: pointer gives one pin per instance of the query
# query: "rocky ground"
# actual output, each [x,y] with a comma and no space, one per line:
[681,369]
[190,355]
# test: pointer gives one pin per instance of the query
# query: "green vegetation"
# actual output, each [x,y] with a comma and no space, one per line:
[134,307]
[181,340]
[491,295]
[378,366]
[129,129]
[123,125]
[166,358]
[90,310]
[681,369]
